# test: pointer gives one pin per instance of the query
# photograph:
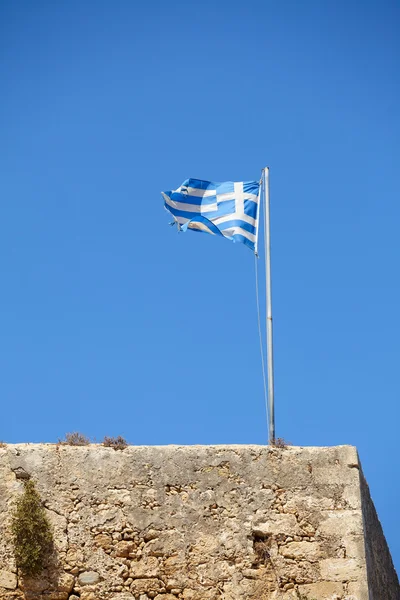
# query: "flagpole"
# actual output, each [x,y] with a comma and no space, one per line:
[270,357]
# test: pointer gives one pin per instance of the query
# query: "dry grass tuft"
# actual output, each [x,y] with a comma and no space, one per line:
[75,439]
[280,443]
[118,443]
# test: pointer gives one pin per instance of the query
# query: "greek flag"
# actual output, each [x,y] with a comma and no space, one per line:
[229,209]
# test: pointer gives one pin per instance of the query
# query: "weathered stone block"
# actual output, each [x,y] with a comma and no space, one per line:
[359,590]
[65,583]
[341,569]
[344,523]
[302,550]
[276,524]
[8,580]
[323,590]
[88,578]
[146,567]
[146,586]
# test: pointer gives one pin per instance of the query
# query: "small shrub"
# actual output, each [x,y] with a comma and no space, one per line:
[280,443]
[31,532]
[118,443]
[3,444]
[75,439]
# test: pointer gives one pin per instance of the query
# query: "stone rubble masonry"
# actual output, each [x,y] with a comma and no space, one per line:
[198,523]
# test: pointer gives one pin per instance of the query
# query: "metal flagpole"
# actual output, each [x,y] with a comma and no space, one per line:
[270,356]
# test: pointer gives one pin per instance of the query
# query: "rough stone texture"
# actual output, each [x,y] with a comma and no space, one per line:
[88,578]
[8,580]
[381,573]
[198,523]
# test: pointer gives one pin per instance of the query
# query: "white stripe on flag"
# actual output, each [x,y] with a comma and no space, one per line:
[232,195]
[191,191]
[232,216]
[239,199]
[197,208]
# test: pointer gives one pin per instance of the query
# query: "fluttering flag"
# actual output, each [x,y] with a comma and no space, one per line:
[229,208]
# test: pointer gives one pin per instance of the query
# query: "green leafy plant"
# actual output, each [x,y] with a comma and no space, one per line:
[31,532]
[75,439]
[118,443]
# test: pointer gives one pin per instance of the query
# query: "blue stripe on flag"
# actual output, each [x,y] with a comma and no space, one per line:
[226,208]
[250,208]
[188,199]
[225,188]
[181,213]
[251,187]
[199,184]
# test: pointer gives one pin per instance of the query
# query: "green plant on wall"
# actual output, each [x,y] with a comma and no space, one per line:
[31,532]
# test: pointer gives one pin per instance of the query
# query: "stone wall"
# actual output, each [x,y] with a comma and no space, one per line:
[380,570]
[198,523]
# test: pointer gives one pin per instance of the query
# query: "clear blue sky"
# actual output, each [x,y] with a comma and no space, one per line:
[111,322]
